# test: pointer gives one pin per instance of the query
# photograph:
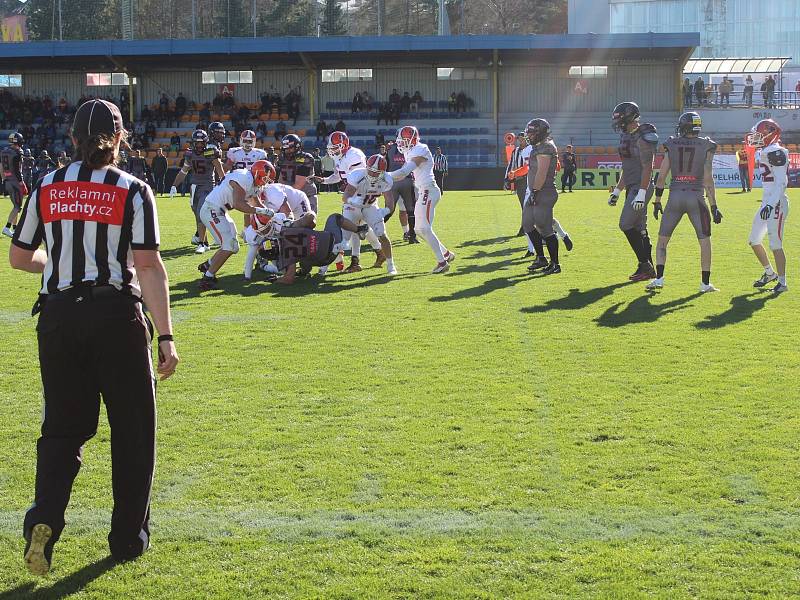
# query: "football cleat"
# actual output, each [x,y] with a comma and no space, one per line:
[195,239]
[390,268]
[449,256]
[765,279]
[707,287]
[203,267]
[643,273]
[8,232]
[412,238]
[406,236]
[323,269]
[655,284]
[208,283]
[380,258]
[780,288]
[539,263]
[552,269]
[442,267]
[528,254]
[37,552]
[201,249]
[567,241]
[354,266]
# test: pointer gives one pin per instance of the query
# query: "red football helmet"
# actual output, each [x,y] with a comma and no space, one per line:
[263,173]
[261,223]
[765,133]
[338,144]
[407,138]
[248,140]
[376,167]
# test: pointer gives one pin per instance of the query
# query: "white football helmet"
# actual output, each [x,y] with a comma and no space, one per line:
[248,140]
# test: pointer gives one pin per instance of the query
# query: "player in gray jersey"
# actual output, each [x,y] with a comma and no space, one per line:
[205,164]
[689,158]
[405,194]
[542,195]
[11,163]
[637,149]
[28,164]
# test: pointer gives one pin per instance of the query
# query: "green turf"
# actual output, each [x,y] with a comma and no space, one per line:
[482,434]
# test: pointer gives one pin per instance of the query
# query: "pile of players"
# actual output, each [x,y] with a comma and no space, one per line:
[688,158]
[280,204]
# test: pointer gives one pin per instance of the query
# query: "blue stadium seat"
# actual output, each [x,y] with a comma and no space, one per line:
[452,131]
[473,131]
[463,131]
[484,131]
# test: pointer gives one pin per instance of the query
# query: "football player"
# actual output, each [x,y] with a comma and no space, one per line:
[245,155]
[279,196]
[364,187]
[309,247]
[296,168]
[346,158]
[542,195]
[419,161]
[232,192]
[689,157]
[770,219]
[203,161]
[28,164]
[11,162]
[637,149]
[217,133]
[259,229]
[405,194]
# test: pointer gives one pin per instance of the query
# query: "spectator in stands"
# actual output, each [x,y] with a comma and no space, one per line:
[266,101]
[322,129]
[687,93]
[358,103]
[747,97]
[217,103]
[261,131]
[205,113]
[175,142]
[159,168]
[317,160]
[163,110]
[340,126]
[725,89]
[394,114]
[405,103]
[768,90]
[394,97]
[379,139]
[244,113]
[272,155]
[367,99]
[416,100]
[744,168]
[180,106]
[699,90]
[280,130]
[293,109]
[451,103]
[383,113]
[462,102]
[150,132]
[328,165]
[228,103]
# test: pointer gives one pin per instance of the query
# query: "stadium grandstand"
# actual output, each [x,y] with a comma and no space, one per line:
[472,89]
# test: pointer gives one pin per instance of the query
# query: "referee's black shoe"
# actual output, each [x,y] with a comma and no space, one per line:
[203,267]
[539,263]
[38,549]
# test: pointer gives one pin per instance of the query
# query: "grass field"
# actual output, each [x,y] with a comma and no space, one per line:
[483,434]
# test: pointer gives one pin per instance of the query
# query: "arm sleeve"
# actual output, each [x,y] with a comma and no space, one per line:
[304,167]
[332,178]
[144,235]
[30,230]
[405,170]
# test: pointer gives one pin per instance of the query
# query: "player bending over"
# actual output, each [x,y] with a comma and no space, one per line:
[689,158]
[419,161]
[364,187]
[231,193]
[770,220]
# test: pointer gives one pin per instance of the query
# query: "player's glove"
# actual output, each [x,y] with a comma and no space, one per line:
[612,200]
[658,209]
[172,191]
[261,210]
[766,212]
[640,200]
[716,214]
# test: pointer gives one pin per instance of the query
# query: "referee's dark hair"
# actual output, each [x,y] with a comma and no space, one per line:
[100,229]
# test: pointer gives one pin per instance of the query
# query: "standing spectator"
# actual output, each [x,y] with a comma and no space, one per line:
[280,130]
[769,92]
[747,95]
[159,169]
[294,109]
[394,97]
[340,126]
[744,169]
[394,114]
[317,160]
[405,103]
[261,131]
[439,168]
[266,103]
[150,132]
[175,142]
[451,103]
[569,166]
[461,101]
[383,113]
[95,339]
[687,93]
[163,110]
[725,89]
[205,113]
[328,166]
[699,90]
[416,100]
[379,138]
[136,165]
[180,106]
[322,129]
[367,99]
[358,103]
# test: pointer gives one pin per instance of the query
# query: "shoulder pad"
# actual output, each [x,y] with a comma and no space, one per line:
[712,145]
[212,152]
[647,128]
[777,158]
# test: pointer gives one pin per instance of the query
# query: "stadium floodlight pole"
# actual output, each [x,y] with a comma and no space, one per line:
[60,23]
[254,18]
[194,19]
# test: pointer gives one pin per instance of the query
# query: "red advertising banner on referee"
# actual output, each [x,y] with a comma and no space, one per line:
[84,200]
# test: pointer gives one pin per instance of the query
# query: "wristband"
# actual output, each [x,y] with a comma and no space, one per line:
[659,192]
[167,337]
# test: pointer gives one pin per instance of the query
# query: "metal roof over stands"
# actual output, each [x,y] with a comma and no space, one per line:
[285,51]
[735,66]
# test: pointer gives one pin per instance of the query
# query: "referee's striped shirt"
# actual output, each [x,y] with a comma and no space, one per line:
[517,161]
[90,222]
[440,162]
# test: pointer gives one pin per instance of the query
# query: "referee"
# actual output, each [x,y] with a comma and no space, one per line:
[517,173]
[100,229]
[439,168]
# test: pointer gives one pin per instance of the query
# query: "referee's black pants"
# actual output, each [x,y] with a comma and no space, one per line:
[439,177]
[93,343]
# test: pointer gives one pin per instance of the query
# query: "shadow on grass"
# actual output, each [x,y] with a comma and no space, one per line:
[487,287]
[642,310]
[742,308]
[179,252]
[576,299]
[63,588]
[488,241]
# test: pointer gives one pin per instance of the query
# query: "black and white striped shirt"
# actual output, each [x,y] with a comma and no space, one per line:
[90,221]
[517,160]
[440,163]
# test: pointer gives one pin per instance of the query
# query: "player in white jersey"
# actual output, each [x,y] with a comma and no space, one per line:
[364,187]
[770,220]
[246,155]
[295,203]
[419,161]
[232,192]
[346,158]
